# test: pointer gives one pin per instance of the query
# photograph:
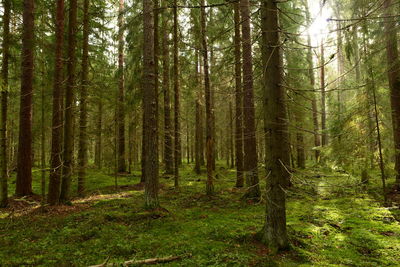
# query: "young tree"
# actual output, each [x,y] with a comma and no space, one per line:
[275,123]
[56,132]
[4,105]
[250,143]
[24,162]
[150,128]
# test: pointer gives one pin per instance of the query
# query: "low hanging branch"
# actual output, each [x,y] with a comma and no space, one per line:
[144,262]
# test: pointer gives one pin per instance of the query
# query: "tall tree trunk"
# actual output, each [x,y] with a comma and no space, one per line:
[231,147]
[238,99]
[274,233]
[323,96]
[4,105]
[177,135]
[209,115]
[150,128]
[69,105]
[250,143]
[199,128]
[121,91]
[24,162]
[168,144]
[99,129]
[83,134]
[56,132]
[394,81]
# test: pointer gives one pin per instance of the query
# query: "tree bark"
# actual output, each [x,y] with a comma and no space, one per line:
[238,99]
[274,233]
[4,104]
[83,134]
[250,143]
[209,112]
[56,132]
[121,91]
[394,82]
[168,144]
[69,105]
[323,96]
[150,128]
[177,135]
[24,161]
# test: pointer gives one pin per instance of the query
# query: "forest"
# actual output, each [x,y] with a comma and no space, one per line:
[200,133]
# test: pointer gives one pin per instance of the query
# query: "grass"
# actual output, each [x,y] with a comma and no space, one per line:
[331,222]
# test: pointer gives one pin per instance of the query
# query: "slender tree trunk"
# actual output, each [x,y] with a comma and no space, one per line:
[250,143]
[4,104]
[231,137]
[121,91]
[198,131]
[168,144]
[394,81]
[238,99]
[24,162]
[150,128]
[274,233]
[99,129]
[209,116]
[56,133]
[177,135]
[323,102]
[69,105]
[83,134]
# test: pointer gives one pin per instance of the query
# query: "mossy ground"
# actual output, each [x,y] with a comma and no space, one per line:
[331,222]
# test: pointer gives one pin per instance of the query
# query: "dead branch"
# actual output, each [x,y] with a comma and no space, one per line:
[144,262]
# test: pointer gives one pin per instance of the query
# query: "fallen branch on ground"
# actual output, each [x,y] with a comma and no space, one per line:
[142,262]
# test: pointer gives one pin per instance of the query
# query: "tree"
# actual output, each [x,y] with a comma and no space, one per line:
[150,128]
[83,114]
[69,105]
[4,105]
[323,98]
[24,162]
[56,132]
[208,98]
[394,81]
[274,233]
[238,99]
[121,92]
[249,132]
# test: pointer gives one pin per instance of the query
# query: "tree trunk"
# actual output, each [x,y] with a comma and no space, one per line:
[238,99]
[56,132]
[209,116]
[150,128]
[99,129]
[24,162]
[4,104]
[177,135]
[274,233]
[121,91]
[69,105]
[168,144]
[323,104]
[83,134]
[250,143]
[394,81]
[198,126]
[231,147]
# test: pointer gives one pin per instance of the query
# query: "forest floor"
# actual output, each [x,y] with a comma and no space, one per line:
[331,222]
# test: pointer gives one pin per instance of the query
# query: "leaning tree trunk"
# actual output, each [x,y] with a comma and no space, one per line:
[24,161]
[83,134]
[121,93]
[56,132]
[168,150]
[150,128]
[238,100]
[275,122]
[69,105]
[394,81]
[209,116]
[177,135]
[4,105]
[250,143]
